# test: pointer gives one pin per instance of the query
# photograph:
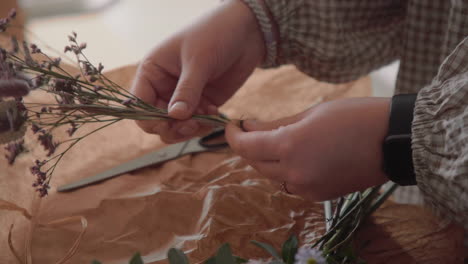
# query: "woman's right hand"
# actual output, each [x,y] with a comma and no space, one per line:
[198,69]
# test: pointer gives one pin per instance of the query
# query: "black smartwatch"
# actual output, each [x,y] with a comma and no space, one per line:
[397,152]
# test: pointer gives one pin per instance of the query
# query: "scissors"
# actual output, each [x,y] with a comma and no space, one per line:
[211,142]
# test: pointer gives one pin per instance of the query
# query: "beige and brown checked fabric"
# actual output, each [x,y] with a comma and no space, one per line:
[341,40]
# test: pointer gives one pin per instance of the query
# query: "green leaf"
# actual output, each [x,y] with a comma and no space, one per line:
[176,256]
[224,255]
[136,259]
[211,260]
[268,248]
[240,260]
[96,262]
[290,249]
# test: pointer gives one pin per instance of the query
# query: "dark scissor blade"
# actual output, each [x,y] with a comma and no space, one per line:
[168,153]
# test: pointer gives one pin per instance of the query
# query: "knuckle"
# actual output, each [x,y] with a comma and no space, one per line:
[285,149]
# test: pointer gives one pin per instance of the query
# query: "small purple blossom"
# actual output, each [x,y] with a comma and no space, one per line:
[35,49]
[97,88]
[128,101]
[35,128]
[72,129]
[14,149]
[46,140]
[14,45]
[41,184]
[12,13]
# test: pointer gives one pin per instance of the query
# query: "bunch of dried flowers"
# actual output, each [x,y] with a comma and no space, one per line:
[78,100]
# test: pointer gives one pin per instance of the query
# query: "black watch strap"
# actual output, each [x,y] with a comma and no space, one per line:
[398,155]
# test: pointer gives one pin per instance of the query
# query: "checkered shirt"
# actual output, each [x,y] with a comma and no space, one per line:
[342,40]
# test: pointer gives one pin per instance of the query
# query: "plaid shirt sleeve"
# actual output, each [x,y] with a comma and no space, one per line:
[341,40]
[440,138]
[333,40]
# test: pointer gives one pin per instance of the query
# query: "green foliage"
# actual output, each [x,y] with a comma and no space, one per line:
[224,255]
[268,248]
[136,259]
[290,249]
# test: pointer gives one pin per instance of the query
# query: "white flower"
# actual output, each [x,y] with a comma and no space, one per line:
[257,261]
[307,255]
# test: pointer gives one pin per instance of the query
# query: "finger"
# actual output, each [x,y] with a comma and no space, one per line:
[188,91]
[254,125]
[270,169]
[178,131]
[255,145]
[152,84]
[153,126]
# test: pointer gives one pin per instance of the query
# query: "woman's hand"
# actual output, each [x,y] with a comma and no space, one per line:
[199,68]
[332,149]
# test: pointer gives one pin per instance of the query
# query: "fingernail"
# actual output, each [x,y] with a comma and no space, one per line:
[248,125]
[179,107]
[187,130]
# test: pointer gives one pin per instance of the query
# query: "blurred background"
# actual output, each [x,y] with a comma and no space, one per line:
[121,32]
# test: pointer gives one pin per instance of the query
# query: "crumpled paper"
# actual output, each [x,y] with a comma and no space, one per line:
[196,202]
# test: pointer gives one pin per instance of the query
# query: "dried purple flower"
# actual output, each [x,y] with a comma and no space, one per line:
[38,81]
[14,149]
[4,24]
[97,88]
[60,85]
[27,55]
[47,142]
[56,62]
[128,102]
[83,46]
[92,79]
[67,49]
[14,45]
[13,88]
[72,129]
[35,128]
[100,67]
[35,49]
[43,191]
[12,13]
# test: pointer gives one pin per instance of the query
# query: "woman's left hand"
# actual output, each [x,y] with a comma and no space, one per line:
[330,150]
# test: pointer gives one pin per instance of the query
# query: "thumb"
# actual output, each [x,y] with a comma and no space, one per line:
[187,94]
